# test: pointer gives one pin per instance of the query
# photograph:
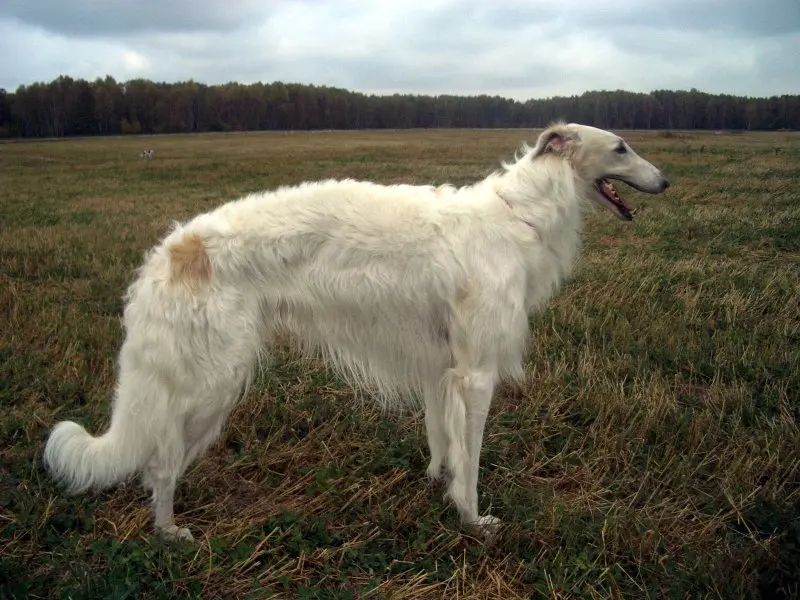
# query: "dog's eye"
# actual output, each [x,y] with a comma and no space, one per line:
[621,149]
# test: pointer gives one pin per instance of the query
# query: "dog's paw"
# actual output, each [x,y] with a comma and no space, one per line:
[174,533]
[486,527]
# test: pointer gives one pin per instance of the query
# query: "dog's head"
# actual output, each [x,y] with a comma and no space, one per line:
[598,156]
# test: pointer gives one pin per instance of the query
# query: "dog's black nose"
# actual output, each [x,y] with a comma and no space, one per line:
[665,183]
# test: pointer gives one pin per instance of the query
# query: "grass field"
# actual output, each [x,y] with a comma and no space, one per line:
[653,452]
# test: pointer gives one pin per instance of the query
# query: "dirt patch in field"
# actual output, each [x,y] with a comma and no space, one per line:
[119,203]
[635,242]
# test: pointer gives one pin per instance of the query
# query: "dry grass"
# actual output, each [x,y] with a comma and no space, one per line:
[653,452]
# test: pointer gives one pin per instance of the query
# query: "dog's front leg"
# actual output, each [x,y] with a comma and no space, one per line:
[478,396]
[466,404]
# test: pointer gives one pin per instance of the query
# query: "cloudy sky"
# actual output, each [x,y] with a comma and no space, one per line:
[514,48]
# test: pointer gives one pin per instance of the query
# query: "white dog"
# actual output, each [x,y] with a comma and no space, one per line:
[413,292]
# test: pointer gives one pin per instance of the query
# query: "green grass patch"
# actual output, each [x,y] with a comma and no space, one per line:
[653,451]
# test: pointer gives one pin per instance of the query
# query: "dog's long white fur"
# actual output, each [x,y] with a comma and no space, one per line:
[417,294]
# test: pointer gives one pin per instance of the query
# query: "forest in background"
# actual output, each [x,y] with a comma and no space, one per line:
[77,107]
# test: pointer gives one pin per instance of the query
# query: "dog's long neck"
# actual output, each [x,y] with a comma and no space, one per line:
[542,194]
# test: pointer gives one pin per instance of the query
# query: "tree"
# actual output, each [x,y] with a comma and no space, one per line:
[5,114]
[66,106]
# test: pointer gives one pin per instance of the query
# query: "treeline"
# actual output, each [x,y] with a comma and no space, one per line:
[70,107]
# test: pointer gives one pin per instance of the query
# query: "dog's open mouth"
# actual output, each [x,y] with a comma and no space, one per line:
[610,193]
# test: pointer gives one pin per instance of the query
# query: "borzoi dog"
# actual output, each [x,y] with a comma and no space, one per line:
[415,293]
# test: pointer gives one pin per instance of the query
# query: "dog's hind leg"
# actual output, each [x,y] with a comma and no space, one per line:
[204,433]
[161,476]
[200,430]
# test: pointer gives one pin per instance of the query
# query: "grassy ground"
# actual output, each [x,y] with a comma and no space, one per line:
[653,452]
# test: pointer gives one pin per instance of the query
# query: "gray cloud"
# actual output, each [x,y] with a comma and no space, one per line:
[515,48]
[89,18]
[737,18]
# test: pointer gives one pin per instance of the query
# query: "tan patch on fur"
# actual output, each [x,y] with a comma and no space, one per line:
[445,188]
[189,262]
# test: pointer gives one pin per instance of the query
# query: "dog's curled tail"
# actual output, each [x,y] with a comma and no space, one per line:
[81,461]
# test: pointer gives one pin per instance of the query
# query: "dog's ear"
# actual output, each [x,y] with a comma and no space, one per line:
[553,140]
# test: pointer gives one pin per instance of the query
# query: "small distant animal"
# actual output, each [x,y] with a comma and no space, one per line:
[421,294]
[147,154]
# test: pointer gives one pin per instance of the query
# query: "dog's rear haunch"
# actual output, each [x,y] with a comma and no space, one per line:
[417,294]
